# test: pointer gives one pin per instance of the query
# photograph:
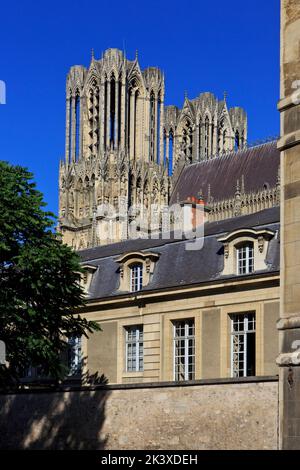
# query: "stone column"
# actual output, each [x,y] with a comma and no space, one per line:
[73,143]
[108,116]
[68,159]
[289,145]
[116,143]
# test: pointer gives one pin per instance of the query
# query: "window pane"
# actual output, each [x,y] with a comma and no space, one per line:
[243,345]
[74,355]
[184,350]
[136,277]
[134,348]
[245,259]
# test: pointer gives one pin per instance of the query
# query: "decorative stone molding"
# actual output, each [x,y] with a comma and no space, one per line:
[288,359]
[249,203]
[289,323]
[260,242]
[87,276]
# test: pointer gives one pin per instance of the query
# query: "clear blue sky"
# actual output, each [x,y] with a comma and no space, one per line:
[201,45]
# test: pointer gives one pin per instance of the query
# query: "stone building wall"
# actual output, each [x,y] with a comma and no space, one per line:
[204,415]
[289,145]
[104,351]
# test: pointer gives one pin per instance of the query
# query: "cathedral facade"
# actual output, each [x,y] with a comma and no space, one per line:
[125,149]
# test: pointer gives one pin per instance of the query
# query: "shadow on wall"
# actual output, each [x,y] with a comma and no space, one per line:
[53,419]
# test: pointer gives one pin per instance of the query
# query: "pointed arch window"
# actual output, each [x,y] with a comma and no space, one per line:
[152,125]
[171,144]
[206,136]
[165,148]
[158,129]
[70,128]
[237,140]
[77,126]
[199,139]
[112,126]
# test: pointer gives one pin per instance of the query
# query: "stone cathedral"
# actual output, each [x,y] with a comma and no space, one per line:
[124,147]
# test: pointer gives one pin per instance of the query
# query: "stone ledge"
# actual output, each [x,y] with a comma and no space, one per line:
[145,385]
[286,103]
[288,141]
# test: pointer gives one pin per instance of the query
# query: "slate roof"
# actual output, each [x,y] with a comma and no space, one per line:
[258,165]
[176,265]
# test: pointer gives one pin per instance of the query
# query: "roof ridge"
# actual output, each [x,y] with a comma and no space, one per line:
[230,154]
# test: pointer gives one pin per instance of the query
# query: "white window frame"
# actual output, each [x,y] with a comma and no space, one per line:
[136,277]
[236,335]
[247,246]
[139,347]
[75,348]
[186,338]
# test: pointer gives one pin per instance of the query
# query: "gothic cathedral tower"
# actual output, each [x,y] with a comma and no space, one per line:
[125,149]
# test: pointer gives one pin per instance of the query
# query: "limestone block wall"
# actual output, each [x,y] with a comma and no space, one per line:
[211,414]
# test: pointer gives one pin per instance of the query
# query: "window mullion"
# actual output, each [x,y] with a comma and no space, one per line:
[248,259]
[186,357]
[232,339]
[245,344]
[137,350]
[174,351]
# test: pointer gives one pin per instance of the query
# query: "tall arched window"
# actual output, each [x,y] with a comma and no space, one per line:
[152,125]
[77,127]
[206,136]
[158,130]
[112,110]
[165,147]
[70,129]
[171,142]
[237,140]
[200,139]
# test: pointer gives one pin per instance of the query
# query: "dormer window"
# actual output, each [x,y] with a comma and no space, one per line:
[136,277]
[136,270]
[245,251]
[245,258]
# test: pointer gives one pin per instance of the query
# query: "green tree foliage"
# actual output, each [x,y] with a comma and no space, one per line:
[39,280]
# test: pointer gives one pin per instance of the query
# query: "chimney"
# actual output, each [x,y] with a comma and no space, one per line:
[195,213]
